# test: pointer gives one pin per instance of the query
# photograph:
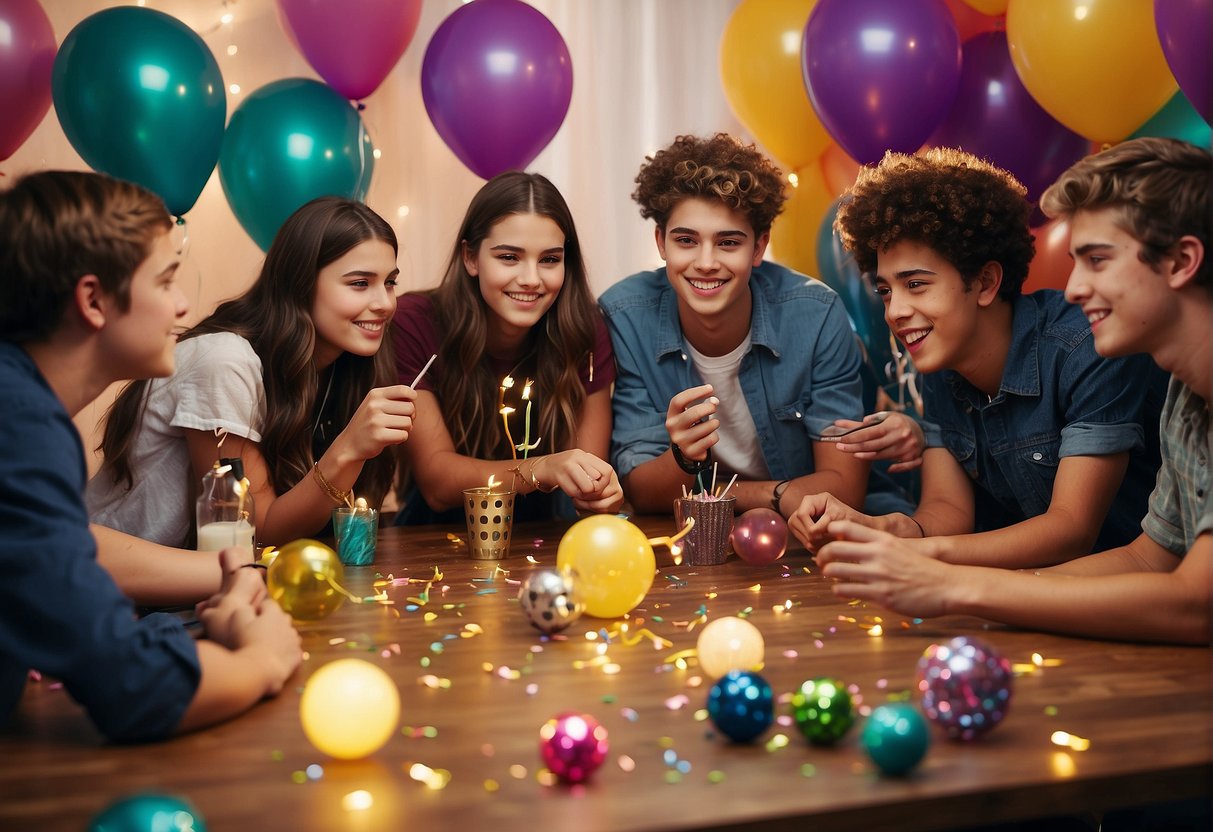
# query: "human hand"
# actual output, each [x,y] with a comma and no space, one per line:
[692,427]
[871,565]
[384,418]
[811,520]
[588,480]
[239,588]
[883,435]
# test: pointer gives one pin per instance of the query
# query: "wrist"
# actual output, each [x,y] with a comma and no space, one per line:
[691,466]
[777,496]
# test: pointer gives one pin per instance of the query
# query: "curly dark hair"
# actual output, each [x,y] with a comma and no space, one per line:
[967,210]
[719,168]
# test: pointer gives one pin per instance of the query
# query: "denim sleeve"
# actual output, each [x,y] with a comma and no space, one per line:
[837,387]
[932,432]
[1105,403]
[638,433]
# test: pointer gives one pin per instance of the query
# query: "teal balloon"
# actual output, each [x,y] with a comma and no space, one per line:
[149,813]
[1177,119]
[140,97]
[288,143]
[896,737]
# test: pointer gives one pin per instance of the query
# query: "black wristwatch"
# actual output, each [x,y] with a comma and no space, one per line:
[691,466]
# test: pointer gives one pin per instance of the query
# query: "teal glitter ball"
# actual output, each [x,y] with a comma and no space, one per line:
[149,813]
[823,710]
[896,737]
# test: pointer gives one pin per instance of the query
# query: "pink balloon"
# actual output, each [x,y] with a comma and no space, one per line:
[27,55]
[353,46]
[760,536]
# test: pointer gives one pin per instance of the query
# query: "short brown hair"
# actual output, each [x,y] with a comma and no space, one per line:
[967,210]
[1159,187]
[56,227]
[719,168]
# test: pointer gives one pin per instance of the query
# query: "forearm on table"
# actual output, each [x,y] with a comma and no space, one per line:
[231,683]
[1050,538]
[153,575]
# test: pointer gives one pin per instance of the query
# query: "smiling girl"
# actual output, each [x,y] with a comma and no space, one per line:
[295,372]
[514,302]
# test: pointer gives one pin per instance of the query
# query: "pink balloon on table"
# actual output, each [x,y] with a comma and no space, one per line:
[27,56]
[760,536]
[352,47]
[1183,30]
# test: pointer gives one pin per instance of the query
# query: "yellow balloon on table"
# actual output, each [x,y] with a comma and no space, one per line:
[349,708]
[302,577]
[763,81]
[614,563]
[1095,65]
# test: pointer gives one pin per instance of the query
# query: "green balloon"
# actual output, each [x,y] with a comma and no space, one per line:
[140,97]
[1177,119]
[288,143]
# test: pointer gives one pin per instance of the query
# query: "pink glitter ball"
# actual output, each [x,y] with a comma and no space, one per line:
[965,686]
[573,746]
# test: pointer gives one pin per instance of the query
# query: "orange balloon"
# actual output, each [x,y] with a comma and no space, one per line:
[1095,65]
[1051,265]
[839,169]
[794,234]
[988,7]
[969,21]
[763,82]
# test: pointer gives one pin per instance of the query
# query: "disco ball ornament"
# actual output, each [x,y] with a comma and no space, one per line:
[148,813]
[303,579]
[549,600]
[760,536]
[741,705]
[729,643]
[965,686]
[573,746]
[896,737]
[823,710]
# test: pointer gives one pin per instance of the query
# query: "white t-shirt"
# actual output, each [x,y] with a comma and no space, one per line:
[738,450]
[217,384]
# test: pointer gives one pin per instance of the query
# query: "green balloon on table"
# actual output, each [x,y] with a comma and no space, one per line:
[148,813]
[288,143]
[823,710]
[140,97]
[896,737]
[304,579]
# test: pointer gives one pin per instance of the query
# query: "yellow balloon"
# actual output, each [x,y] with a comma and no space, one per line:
[763,81]
[729,643]
[301,579]
[349,708]
[1095,65]
[794,234]
[614,563]
[989,7]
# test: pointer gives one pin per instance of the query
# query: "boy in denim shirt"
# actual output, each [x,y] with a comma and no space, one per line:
[723,358]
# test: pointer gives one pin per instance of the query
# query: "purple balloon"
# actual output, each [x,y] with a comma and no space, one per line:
[997,119]
[760,536]
[881,74]
[352,47]
[27,56]
[496,80]
[1183,30]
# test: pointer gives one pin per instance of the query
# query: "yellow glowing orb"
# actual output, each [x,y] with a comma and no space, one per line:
[349,708]
[730,643]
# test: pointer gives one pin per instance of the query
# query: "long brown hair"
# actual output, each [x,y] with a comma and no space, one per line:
[275,316]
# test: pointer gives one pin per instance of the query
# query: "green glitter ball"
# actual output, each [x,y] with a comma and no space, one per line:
[822,708]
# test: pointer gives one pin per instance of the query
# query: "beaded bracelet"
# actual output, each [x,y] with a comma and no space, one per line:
[336,495]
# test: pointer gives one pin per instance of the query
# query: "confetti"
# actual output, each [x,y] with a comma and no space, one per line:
[1070,740]
[626,763]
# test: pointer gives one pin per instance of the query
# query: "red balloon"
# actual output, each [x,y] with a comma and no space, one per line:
[760,536]
[971,22]
[27,56]
[1050,267]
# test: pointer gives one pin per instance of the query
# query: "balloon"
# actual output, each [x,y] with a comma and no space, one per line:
[995,118]
[140,97]
[896,737]
[573,746]
[496,80]
[613,560]
[148,813]
[971,22]
[839,169]
[741,705]
[352,48]
[1096,67]
[760,536]
[1177,120]
[807,203]
[302,577]
[1183,28]
[881,73]
[349,708]
[823,710]
[965,686]
[729,643]
[27,56]
[1051,264]
[288,143]
[760,72]
[989,7]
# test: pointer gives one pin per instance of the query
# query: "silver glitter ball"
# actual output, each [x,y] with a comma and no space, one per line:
[550,601]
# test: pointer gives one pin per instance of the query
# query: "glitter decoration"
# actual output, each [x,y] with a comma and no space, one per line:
[573,746]
[741,705]
[549,600]
[823,711]
[896,737]
[965,686]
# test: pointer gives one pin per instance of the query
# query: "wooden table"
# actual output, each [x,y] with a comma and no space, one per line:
[1146,710]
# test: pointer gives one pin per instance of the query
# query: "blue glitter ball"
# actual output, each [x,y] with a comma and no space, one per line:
[148,813]
[741,705]
[896,737]
[965,686]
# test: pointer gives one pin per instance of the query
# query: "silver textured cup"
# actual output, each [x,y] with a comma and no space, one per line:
[707,544]
[490,516]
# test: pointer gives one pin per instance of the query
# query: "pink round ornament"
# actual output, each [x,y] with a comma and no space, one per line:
[573,746]
[760,536]
[965,686]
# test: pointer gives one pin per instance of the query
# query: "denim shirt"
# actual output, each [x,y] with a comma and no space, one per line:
[800,374]
[1057,398]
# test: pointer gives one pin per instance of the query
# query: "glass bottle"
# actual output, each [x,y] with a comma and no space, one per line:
[225,507]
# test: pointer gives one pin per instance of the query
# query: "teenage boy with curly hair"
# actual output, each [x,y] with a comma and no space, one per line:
[724,358]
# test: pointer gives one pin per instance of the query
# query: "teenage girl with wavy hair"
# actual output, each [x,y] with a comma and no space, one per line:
[515,302]
[296,377]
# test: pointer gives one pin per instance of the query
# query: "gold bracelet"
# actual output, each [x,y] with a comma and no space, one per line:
[534,481]
[336,495]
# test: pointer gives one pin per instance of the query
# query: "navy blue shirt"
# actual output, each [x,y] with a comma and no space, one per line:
[60,612]
[1058,398]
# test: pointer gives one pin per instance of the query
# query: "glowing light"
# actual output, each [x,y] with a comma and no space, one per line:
[234,89]
[357,801]
[154,78]
[226,18]
[232,49]
[402,211]
[793,180]
[377,153]
[790,41]
[1080,12]
[1070,740]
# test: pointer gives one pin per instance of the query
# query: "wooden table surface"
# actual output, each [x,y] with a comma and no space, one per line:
[493,681]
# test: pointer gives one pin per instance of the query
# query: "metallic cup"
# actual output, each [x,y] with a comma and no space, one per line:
[707,544]
[490,516]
